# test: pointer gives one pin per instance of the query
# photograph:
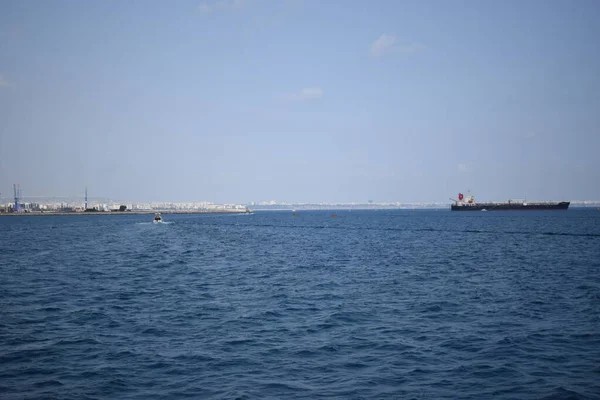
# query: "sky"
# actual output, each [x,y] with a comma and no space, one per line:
[238,101]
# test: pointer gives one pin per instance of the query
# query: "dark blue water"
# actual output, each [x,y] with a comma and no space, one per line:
[371,304]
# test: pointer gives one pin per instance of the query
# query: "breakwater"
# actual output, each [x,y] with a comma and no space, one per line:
[47,213]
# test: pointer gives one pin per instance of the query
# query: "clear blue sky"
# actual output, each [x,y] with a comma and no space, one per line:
[252,100]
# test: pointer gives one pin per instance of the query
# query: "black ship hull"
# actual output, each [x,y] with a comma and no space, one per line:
[563,205]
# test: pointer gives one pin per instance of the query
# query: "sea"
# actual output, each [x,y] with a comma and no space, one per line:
[344,304]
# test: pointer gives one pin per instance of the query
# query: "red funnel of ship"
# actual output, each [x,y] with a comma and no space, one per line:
[460,196]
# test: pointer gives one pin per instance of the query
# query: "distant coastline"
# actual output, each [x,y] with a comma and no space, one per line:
[195,208]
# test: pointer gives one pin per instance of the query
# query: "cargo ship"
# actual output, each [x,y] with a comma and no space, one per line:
[468,203]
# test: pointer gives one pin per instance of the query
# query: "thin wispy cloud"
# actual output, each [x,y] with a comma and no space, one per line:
[293,4]
[389,44]
[462,167]
[211,6]
[278,14]
[309,93]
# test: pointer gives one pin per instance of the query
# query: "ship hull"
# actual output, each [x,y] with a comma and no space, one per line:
[563,205]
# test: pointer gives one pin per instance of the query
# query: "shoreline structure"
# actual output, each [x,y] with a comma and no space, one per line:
[136,212]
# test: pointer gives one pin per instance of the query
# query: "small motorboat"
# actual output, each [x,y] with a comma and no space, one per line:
[157,218]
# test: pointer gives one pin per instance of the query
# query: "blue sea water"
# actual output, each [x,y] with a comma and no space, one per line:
[370,304]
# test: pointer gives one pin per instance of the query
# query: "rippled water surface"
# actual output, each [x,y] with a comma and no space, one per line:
[370,304]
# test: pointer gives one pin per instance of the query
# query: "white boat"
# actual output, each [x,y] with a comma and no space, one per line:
[157,218]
